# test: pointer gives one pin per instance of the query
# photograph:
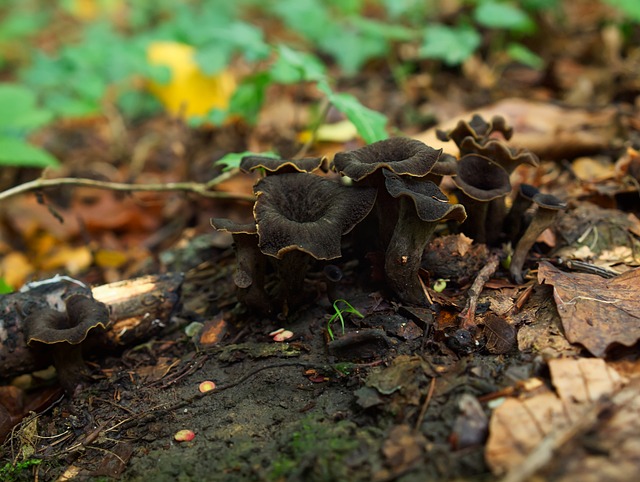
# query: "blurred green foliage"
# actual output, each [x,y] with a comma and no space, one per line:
[79,64]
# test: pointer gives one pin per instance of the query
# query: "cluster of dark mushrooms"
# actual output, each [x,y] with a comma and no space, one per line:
[387,193]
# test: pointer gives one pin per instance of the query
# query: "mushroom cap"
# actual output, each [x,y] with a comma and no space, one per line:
[233,227]
[477,128]
[50,326]
[281,166]
[308,213]
[549,201]
[430,202]
[482,179]
[398,154]
[527,191]
[447,165]
[499,152]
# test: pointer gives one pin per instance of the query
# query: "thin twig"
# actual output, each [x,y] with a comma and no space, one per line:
[202,189]
[324,110]
[467,317]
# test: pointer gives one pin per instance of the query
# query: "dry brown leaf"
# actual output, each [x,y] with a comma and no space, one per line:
[596,312]
[519,426]
[548,130]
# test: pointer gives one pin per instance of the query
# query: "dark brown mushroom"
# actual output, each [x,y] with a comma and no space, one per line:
[400,155]
[496,150]
[480,180]
[250,264]
[301,216]
[512,224]
[280,166]
[63,333]
[548,207]
[477,128]
[421,206]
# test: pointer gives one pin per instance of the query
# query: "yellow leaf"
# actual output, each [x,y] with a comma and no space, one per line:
[110,259]
[189,92]
[15,268]
[91,9]
[73,260]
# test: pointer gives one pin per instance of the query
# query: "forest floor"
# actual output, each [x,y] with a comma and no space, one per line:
[545,385]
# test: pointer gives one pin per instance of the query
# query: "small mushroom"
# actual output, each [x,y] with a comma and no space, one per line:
[400,155]
[496,150]
[548,207]
[301,216]
[512,224]
[250,264]
[281,166]
[63,333]
[480,180]
[477,128]
[422,206]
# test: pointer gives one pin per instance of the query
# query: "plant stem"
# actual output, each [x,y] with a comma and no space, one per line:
[202,189]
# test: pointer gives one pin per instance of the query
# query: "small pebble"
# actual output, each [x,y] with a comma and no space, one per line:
[206,386]
[282,336]
[184,435]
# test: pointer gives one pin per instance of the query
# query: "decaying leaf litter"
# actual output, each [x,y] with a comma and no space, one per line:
[541,380]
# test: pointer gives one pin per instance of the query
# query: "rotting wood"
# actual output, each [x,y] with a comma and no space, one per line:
[139,309]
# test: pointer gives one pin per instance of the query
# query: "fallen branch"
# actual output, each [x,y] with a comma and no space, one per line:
[202,189]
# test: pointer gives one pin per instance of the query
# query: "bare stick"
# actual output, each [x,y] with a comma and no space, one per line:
[468,315]
[202,189]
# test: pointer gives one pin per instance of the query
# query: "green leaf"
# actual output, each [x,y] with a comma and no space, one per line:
[18,111]
[452,45]
[248,97]
[293,66]
[4,287]
[369,123]
[14,152]
[503,15]
[522,54]
[232,160]
[631,8]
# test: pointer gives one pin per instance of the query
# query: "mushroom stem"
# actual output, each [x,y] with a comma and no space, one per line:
[548,207]
[249,273]
[404,254]
[513,222]
[292,269]
[496,212]
[70,366]
[475,224]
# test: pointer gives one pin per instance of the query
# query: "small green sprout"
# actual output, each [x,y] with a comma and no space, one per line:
[338,314]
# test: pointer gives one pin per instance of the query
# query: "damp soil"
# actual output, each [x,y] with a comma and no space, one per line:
[380,402]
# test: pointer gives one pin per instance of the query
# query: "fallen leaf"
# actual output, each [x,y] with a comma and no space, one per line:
[190,92]
[520,426]
[596,312]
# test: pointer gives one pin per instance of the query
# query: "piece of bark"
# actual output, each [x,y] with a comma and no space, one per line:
[139,309]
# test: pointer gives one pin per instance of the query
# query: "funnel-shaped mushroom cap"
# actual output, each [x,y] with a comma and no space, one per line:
[281,166]
[482,179]
[549,201]
[430,202]
[398,154]
[307,213]
[229,226]
[50,326]
[477,128]
[499,152]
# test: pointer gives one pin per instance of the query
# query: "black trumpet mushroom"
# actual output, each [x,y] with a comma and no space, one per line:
[421,206]
[301,217]
[250,264]
[479,180]
[400,155]
[280,166]
[62,333]
[548,207]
